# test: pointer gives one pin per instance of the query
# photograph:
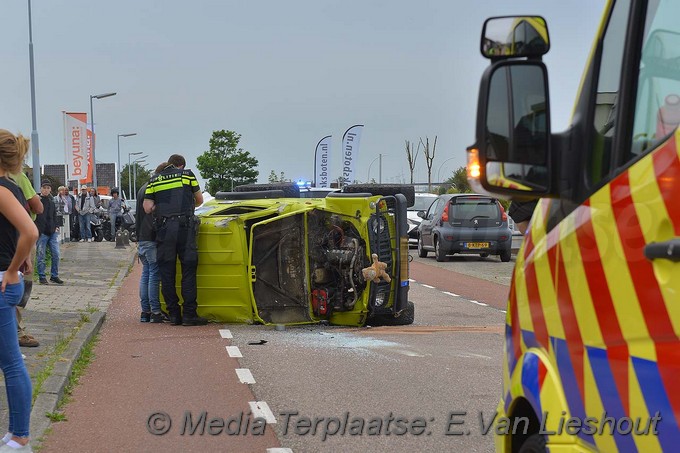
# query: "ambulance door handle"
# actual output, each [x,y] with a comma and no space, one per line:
[669,250]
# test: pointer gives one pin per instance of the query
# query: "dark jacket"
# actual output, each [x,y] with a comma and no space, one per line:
[143,221]
[47,221]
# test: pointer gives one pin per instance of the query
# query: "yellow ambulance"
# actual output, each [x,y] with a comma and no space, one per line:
[592,350]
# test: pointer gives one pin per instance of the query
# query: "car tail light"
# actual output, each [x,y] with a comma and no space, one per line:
[504,216]
[504,238]
[445,214]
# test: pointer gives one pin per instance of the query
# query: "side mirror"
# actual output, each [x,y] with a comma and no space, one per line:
[512,153]
[512,37]
[421,214]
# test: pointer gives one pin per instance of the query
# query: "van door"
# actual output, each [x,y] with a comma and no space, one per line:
[617,278]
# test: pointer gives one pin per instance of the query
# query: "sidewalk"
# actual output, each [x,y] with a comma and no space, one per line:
[64,317]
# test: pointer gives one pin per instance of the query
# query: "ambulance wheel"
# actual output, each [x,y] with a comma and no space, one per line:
[505,256]
[534,444]
[405,318]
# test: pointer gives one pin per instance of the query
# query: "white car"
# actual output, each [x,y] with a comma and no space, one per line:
[423,203]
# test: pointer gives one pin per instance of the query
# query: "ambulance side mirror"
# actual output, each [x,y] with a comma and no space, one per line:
[512,149]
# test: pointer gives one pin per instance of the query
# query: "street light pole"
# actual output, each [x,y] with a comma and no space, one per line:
[94,159]
[379,171]
[440,168]
[130,173]
[120,170]
[34,132]
[135,164]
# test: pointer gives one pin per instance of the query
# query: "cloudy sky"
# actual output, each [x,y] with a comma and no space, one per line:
[281,74]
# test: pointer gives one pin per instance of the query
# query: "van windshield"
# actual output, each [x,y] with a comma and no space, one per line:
[469,208]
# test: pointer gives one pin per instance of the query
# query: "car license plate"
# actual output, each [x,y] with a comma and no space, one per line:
[477,245]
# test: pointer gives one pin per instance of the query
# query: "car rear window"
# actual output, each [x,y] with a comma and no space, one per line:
[469,208]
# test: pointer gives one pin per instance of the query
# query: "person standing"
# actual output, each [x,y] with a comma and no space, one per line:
[86,206]
[34,207]
[49,235]
[73,217]
[115,210]
[146,250]
[172,196]
[18,235]
[65,208]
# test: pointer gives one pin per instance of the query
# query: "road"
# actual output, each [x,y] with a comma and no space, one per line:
[379,389]
[448,361]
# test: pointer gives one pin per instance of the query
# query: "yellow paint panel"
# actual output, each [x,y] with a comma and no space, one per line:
[523,311]
[620,282]
[546,289]
[638,411]
[578,285]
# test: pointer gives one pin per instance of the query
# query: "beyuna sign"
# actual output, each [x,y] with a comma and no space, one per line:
[76,146]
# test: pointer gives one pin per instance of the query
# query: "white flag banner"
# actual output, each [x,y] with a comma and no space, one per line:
[75,145]
[322,162]
[350,152]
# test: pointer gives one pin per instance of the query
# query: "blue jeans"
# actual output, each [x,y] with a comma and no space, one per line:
[112,217]
[85,232]
[148,284]
[52,241]
[17,380]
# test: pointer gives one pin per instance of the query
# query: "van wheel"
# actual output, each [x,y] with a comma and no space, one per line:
[405,318]
[534,444]
[439,254]
[505,256]
[406,190]
[290,190]
[421,251]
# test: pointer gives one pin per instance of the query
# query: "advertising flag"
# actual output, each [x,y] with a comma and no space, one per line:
[322,162]
[76,147]
[350,152]
[90,164]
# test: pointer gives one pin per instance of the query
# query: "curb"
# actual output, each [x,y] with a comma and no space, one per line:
[53,387]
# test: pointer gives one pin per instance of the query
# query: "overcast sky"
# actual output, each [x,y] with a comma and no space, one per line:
[281,74]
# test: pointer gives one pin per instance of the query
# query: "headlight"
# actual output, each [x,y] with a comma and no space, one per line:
[379,299]
[378,225]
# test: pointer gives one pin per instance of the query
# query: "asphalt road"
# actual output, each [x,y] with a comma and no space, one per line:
[448,361]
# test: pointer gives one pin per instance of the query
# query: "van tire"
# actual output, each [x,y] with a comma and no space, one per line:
[405,318]
[505,256]
[406,190]
[290,190]
[534,444]
[439,254]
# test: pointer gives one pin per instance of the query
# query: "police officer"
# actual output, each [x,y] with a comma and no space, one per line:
[172,196]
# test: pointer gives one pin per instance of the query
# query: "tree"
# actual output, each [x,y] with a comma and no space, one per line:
[412,157]
[273,178]
[225,165]
[429,159]
[459,182]
[140,176]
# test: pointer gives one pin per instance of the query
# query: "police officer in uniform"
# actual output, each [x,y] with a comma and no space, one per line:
[172,196]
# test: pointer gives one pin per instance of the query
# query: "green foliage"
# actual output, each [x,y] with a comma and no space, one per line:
[281,178]
[457,183]
[140,176]
[225,165]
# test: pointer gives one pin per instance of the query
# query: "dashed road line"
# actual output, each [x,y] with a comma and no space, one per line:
[279,450]
[451,294]
[261,409]
[479,303]
[427,286]
[225,333]
[245,376]
[234,351]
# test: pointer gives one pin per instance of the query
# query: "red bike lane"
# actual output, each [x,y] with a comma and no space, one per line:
[469,287]
[157,377]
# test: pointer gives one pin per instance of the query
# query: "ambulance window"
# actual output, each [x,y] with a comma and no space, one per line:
[607,89]
[657,110]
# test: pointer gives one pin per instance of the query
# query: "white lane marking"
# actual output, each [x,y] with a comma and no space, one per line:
[245,376]
[502,311]
[225,333]
[479,303]
[261,409]
[411,280]
[427,286]
[279,450]
[451,294]
[234,351]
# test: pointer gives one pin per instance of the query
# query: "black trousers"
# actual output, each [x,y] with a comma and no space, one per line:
[176,238]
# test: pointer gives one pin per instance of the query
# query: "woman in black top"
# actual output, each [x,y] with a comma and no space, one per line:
[17,236]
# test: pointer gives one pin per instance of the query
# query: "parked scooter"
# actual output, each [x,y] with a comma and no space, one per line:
[126,222]
[96,224]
